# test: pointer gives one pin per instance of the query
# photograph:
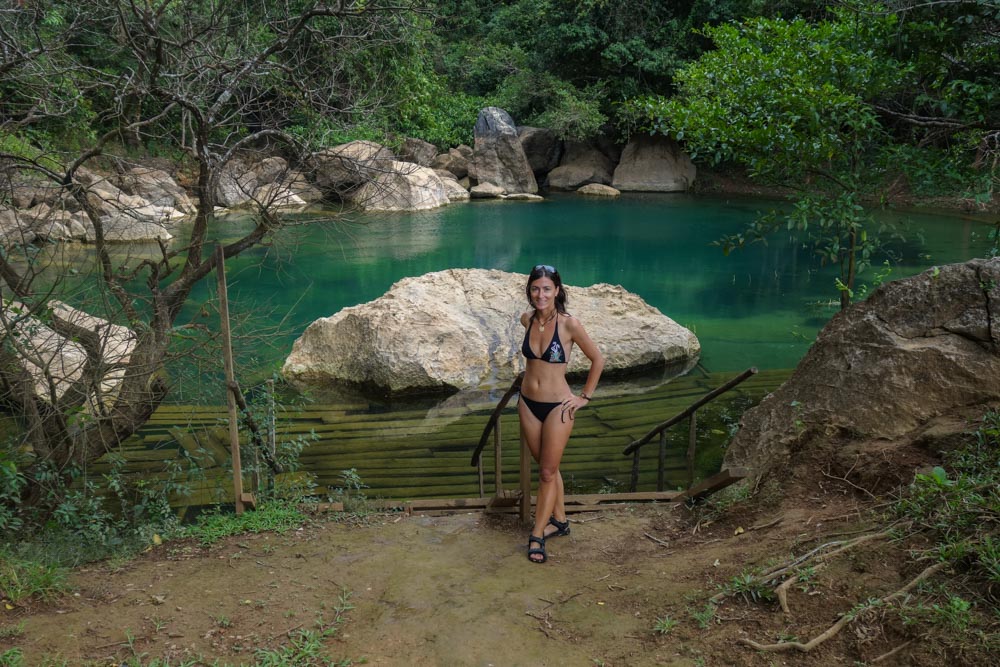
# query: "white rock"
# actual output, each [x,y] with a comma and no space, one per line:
[460,329]
[402,186]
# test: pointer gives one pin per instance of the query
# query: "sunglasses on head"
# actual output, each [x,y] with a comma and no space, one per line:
[545,267]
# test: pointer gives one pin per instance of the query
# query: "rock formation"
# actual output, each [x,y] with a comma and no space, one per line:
[402,186]
[917,348]
[459,329]
[653,164]
[499,157]
[418,151]
[582,163]
[542,148]
[58,364]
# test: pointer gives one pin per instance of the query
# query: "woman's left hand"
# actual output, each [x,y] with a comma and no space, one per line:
[571,405]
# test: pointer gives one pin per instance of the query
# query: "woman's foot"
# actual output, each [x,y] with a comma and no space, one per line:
[536,554]
[559,528]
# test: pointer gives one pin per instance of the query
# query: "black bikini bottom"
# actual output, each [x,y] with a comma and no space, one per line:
[540,409]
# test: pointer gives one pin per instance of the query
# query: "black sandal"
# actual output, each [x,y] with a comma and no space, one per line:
[537,550]
[561,526]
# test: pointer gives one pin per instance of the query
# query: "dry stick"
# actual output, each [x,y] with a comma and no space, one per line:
[657,540]
[767,525]
[849,482]
[844,620]
[886,656]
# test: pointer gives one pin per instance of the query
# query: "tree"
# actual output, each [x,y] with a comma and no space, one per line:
[787,99]
[209,80]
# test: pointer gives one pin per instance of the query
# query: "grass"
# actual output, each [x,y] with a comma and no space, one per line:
[22,578]
[274,516]
[664,624]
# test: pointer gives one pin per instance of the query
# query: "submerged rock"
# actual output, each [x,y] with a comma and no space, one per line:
[918,348]
[460,329]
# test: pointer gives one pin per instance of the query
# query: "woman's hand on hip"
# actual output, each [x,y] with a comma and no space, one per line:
[571,405]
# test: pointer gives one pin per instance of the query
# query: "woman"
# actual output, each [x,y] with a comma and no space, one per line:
[547,407]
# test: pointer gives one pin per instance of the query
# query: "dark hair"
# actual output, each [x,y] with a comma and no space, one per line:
[547,271]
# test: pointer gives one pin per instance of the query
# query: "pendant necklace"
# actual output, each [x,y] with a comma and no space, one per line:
[541,325]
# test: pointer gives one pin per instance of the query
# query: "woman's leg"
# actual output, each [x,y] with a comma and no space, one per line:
[531,432]
[554,436]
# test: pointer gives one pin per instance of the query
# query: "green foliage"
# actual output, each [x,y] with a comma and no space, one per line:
[545,101]
[12,483]
[663,625]
[23,578]
[784,98]
[748,586]
[704,616]
[954,503]
[271,516]
[12,657]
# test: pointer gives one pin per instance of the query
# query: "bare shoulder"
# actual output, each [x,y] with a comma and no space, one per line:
[525,318]
[571,322]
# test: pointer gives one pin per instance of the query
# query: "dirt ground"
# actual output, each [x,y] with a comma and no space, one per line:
[459,590]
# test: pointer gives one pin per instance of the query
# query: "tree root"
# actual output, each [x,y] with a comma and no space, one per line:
[781,572]
[844,620]
[886,656]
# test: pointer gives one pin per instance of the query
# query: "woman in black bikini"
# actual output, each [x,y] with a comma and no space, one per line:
[547,407]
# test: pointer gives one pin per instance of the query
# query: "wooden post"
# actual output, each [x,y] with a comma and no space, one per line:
[525,481]
[497,460]
[482,479]
[272,430]
[634,485]
[227,356]
[663,461]
[692,444]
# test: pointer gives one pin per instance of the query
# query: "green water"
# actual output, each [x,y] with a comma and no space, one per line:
[761,306]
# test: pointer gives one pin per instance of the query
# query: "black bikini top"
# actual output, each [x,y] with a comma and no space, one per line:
[553,354]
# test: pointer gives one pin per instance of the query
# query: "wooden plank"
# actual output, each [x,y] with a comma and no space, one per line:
[716,482]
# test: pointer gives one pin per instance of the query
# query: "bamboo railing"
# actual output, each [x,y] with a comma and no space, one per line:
[691,414]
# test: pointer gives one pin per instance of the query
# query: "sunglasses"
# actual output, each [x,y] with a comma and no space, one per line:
[545,267]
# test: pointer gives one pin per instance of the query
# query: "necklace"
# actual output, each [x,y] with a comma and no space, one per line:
[541,325]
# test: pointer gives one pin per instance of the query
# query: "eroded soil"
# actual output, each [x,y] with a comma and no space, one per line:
[459,590]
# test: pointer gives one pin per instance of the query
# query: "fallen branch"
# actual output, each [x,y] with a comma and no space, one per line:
[844,620]
[657,540]
[767,525]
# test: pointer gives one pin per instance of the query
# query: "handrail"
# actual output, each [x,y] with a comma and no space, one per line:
[636,444]
[515,387]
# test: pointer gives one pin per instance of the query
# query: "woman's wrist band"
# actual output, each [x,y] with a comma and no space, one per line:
[584,396]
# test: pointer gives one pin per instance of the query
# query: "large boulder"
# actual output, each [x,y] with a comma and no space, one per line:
[916,349]
[418,151]
[499,157]
[341,169]
[460,329]
[542,148]
[402,186]
[158,188]
[236,185]
[582,163]
[58,363]
[654,164]
[453,162]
